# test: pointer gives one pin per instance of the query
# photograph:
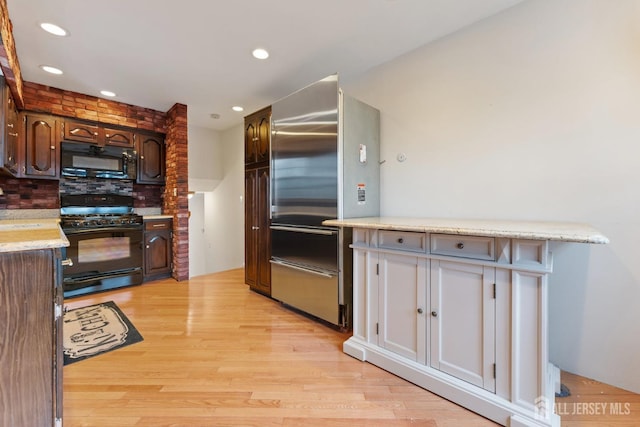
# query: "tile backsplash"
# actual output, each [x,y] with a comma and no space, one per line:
[71,185]
[45,194]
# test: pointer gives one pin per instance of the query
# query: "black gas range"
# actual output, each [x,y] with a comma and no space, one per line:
[106,238]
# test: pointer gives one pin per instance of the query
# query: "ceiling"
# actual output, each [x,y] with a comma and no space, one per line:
[154,53]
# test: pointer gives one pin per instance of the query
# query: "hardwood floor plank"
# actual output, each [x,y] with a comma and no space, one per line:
[216,354]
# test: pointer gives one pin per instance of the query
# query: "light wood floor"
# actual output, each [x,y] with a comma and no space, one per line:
[216,354]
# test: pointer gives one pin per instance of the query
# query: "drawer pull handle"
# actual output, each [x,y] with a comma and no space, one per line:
[460,245]
[67,262]
[401,240]
[420,311]
[434,313]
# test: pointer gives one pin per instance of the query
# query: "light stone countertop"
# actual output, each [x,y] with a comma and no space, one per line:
[29,213]
[151,217]
[31,234]
[535,230]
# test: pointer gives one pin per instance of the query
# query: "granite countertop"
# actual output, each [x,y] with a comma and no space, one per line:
[31,234]
[151,217]
[536,230]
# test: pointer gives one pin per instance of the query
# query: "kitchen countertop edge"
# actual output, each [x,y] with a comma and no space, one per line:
[31,234]
[534,230]
[152,217]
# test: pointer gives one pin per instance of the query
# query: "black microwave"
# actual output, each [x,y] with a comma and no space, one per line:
[80,159]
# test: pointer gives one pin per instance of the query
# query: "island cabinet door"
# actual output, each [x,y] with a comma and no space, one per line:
[403,303]
[30,373]
[463,321]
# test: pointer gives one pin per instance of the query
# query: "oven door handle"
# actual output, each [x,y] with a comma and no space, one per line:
[93,278]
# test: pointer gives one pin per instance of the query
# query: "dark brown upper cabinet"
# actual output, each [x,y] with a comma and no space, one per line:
[257,137]
[151,159]
[11,145]
[96,134]
[42,146]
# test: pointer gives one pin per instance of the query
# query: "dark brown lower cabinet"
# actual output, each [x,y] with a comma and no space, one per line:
[31,338]
[157,249]
[257,243]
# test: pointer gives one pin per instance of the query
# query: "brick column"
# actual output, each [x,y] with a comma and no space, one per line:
[177,187]
[8,57]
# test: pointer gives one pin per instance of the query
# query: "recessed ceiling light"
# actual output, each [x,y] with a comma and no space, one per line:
[237,108]
[108,93]
[54,29]
[50,69]
[260,53]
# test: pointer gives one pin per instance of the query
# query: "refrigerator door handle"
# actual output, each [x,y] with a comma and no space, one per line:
[305,230]
[305,270]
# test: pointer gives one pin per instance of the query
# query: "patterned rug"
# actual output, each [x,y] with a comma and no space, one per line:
[95,329]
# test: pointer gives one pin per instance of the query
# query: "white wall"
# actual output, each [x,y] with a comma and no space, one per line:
[225,208]
[216,228]
[532,114]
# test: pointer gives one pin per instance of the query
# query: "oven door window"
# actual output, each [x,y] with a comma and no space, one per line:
[104,249]
[99,251]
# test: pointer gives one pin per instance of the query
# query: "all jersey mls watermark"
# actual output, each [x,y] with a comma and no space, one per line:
[592,408]
[543,406]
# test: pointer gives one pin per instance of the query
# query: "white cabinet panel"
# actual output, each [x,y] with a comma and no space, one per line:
[463,321]
[402,322]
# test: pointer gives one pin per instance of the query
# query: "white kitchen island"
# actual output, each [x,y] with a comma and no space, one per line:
[459,307]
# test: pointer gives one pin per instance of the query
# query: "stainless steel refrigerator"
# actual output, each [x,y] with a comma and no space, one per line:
[324,165]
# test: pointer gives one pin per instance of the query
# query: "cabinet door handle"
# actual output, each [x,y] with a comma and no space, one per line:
[420,310]
[13,134]
[460,245]
[434,313]
[67,262]
[10,125]
[147,246]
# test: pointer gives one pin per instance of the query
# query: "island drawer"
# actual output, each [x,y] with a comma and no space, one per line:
[402,240]
[463,246]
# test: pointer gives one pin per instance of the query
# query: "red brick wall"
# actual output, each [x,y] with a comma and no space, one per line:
[29,194]
[177,187]
[147,196]
[43,194]
[65,103]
